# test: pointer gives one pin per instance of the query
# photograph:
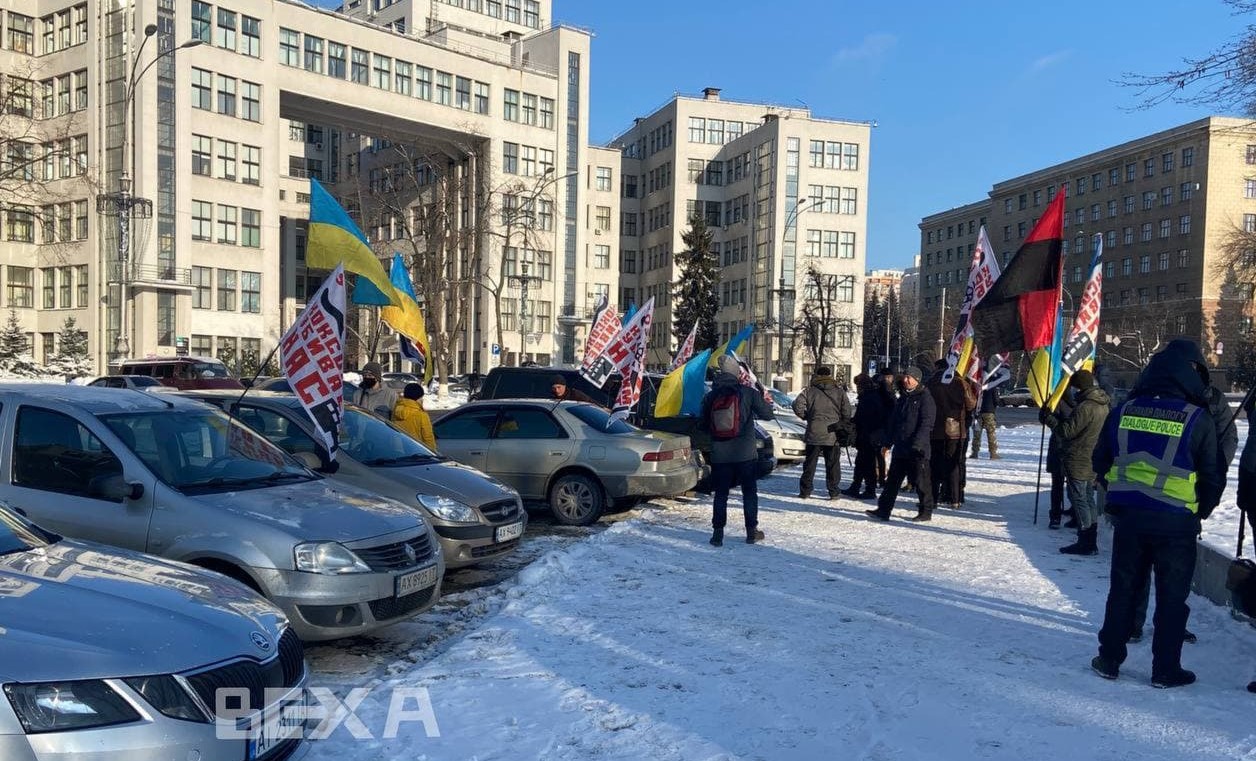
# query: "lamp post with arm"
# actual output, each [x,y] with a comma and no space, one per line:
[524,280]
[784,292]
[122,205]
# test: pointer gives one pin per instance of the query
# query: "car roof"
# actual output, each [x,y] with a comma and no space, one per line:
[97,399]
[166,360]
[263,398]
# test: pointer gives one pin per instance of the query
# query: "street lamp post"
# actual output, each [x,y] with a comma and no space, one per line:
[524,280]
[784,292]
[123,206]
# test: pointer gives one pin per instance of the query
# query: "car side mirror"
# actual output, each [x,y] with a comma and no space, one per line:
[309,460]
[116,489]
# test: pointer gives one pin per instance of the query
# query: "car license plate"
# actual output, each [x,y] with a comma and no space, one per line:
[512,531]
[416,581]
[280,723]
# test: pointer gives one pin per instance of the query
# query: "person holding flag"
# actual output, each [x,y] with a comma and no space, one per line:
[1079,432]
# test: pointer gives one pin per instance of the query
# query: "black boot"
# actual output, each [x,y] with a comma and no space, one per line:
[853,491]
[923,516]
[1087,543]
[754,535]
[717,537]
[868,493]
[1179,678]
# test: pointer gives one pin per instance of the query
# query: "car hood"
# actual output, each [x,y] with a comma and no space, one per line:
[318,510]
[77,610]
[450,479]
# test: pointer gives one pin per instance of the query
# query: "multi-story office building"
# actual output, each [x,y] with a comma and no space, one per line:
[881,283]
[947,242]
[234,105]
[783,192]
[1166,206]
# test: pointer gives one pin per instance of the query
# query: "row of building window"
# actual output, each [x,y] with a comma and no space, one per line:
[538,318]
[235,97]
[231,284]
[658,178]
[62,287]
[831,244]
[531,213]
[54,160]
[834,155]
[526,160]
[1094,182]
[732,251]
[228,349]
[235,225]
[733,292]
[1147,231]
[61,223]
[63,94]
[232,161]
[833,199]
[954,230]
[658,217]
[1080,273]
[526,108]
[657,139]
[660,292]
[526,261]
[235,32]
[524,12]
[717,131]
[63,29]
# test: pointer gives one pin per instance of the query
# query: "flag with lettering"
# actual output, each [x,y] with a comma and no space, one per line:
[626,348]
[686,348]
[983,271]
[312,355]
[605,327]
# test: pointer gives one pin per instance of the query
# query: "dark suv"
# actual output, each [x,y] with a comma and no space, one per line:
[535,383]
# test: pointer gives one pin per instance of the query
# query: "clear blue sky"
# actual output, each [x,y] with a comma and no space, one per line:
[965,93]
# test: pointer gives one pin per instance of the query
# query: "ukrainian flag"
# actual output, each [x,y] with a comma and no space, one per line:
[734,345]
[335,239]
[681,390]
[407,319]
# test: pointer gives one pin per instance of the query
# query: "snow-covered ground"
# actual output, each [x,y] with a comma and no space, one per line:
[838,638]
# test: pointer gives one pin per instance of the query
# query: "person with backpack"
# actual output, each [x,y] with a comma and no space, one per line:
[728,413]
[825,408]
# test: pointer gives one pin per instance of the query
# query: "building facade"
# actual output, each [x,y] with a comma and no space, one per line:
[233,107]
[947,241]
[881,283]
[785,195]
[1166,205]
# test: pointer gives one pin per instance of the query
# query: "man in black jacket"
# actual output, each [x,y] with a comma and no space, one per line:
[1157,459]
[909,430]
[734,458]
[946,446]
[871,414]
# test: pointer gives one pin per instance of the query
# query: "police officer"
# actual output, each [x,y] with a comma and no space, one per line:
[1158,460]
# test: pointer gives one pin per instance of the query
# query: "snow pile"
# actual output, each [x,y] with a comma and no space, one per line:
[839,638]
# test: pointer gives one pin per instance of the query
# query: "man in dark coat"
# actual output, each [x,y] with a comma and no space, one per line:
[564,393]
[889,396]
[824,407]
[946,438]
[735,459]
[871,415]
[1157,459]
[1079,432]
[909,431]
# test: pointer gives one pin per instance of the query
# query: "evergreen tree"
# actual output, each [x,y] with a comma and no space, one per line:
[873,328]
[71,359]
[696,296]
[12,339]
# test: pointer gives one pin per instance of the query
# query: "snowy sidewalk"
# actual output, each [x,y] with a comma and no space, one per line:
[839,638]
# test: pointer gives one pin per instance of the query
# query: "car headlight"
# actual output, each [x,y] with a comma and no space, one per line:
[168,696]
[64,706]
[328,557]
[448,509]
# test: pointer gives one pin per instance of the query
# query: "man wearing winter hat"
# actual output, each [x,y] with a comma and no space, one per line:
[564,393]
[375,395]
[727,415]
[825,408]
[909,431]
[1079,432]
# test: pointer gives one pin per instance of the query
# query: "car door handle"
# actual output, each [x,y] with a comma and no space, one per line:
[557,454]
[475,453]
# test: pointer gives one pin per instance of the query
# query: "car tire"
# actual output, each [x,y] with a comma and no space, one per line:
[577,500]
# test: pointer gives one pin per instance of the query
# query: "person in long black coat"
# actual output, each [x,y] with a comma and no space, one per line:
[871,414]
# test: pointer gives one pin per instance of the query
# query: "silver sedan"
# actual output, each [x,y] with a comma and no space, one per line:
[109,655]
[572,455]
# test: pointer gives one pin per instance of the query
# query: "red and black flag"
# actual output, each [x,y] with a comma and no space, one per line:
[1019,310]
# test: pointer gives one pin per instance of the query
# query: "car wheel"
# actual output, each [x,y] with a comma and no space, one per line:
[577,500]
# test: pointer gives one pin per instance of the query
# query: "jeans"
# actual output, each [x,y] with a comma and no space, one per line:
[832,468]
[1134,555]
[723,474]
[1081,496]
[902,464]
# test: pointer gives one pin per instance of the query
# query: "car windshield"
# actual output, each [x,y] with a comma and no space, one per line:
[209,370]
[375,443]
[599,419]
[16,535]
[143,381]
[201,451]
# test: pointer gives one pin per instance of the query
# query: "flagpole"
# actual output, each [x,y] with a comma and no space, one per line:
[1038,489]
[256,375]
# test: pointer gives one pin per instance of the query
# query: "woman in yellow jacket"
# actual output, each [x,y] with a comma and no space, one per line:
[410,416]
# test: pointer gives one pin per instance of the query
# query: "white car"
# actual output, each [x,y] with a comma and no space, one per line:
[787,440]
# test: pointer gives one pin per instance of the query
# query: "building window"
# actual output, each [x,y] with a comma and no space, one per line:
[1166,196]
[601,257]
[846,246]
[510,158]
[697,129]
[1184,258]
[335,60]
[1127,266]
[529,109]
[226,290]
[444,88]
[1164,261]
[1110,239]
[226,37]
[202,89]
[289,47]
[1184,224]
[1149,168]
[383,72]
[1166,163]
[314,54]
[251,37]
[226,160]
[251,292]
[252,162]
[1144,264]
[80,285]
[602,179]
[1249,223]
[48,277]
[1149,200]
[203,283]
[547,113]
[165,318]
[202,20]
[226,95]
[227,224]
[603,219]
[359,66]
[202,220]
[1249,188]
[1146,232]
[1187,191]
[482,97]
[21,287]
[202,154]
[423,81]
[251,228]
[1165,228]
[251,101]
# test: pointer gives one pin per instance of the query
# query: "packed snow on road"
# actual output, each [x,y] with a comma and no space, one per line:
[838,638]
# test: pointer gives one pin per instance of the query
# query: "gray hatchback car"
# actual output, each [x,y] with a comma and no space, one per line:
[573,455]
[477,518]
[173,477]
[109,655]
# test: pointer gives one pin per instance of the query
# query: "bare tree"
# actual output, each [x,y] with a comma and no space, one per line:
[1225,79]
[823,315]
[1131,334]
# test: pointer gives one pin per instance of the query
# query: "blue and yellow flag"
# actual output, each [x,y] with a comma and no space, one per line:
[681,390]
[407,319]
[335,239]
[733,345]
